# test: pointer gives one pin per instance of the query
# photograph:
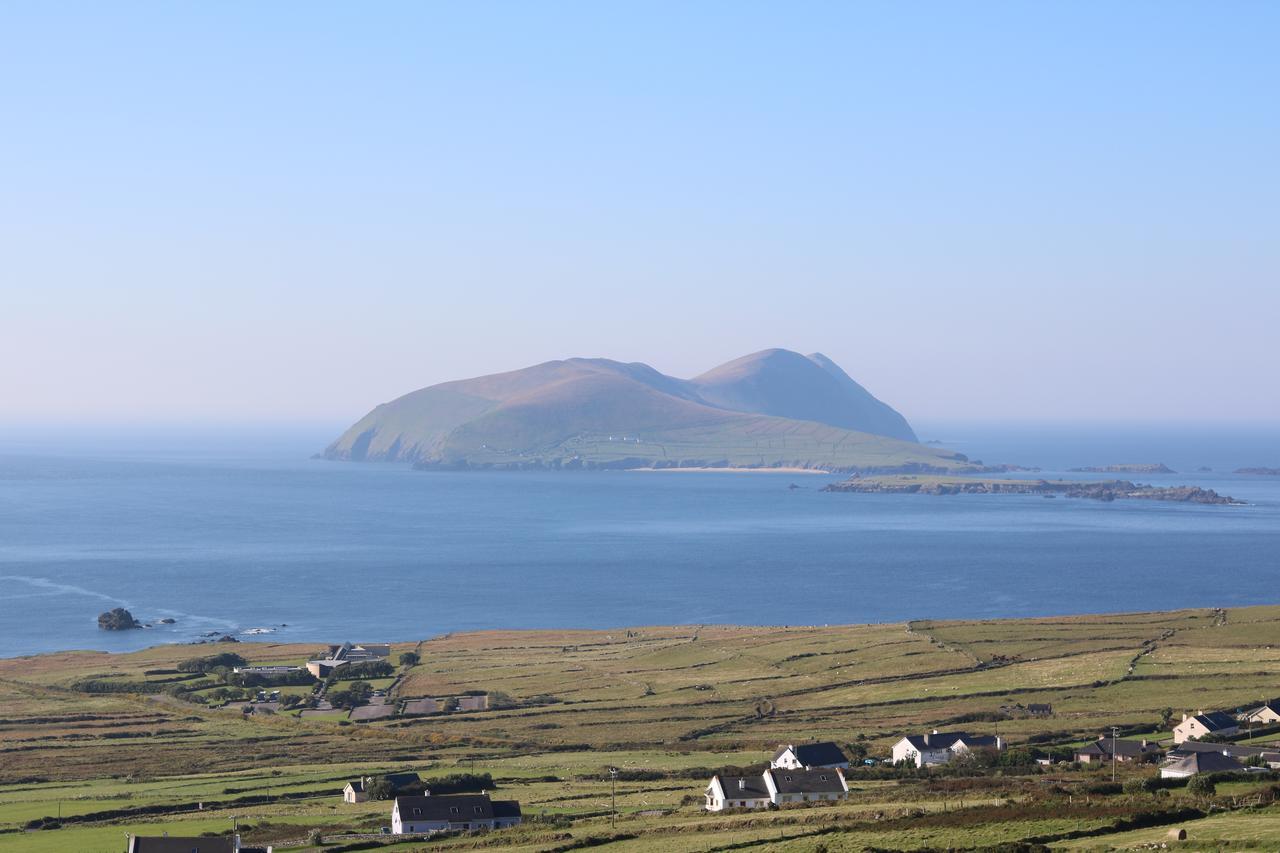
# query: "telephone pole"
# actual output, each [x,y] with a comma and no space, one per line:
[1114,731]
[613,796]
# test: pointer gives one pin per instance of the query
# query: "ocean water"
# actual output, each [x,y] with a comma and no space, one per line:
[234,532]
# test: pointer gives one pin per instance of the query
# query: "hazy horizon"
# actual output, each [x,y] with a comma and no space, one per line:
[244,214]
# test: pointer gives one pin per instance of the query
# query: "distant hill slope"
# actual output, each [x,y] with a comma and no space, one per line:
[789,385]
[772,409]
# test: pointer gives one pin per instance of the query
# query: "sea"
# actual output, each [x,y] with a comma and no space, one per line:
[243,532]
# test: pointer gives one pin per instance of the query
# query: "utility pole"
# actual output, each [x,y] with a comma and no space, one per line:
[1114,731]
[613,796]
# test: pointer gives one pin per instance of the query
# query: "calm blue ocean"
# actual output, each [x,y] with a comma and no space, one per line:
[233,532]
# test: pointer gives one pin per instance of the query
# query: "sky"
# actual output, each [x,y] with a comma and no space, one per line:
[240,212]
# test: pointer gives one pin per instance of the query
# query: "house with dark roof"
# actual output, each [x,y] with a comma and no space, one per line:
[737,792]
[940,747]
[1201,762]
[775,787]
[188,844]
[465,812]
[1269,755]
[1265,714]
[1124,750]
[810,755]
[357,790]
[1218,723]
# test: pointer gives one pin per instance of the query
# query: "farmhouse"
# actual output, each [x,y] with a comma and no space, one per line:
[1202,724]
[776,786]
[1264,714]
[810,755]
[737,792]
[466,812]
[1201,762]
[1125,750]
[940,747]
[357,790]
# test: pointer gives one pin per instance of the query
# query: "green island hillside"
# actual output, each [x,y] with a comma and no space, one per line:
[772,409]
[97,745]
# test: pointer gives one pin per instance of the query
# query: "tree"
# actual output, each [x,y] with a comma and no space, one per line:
[857,751]
[410,659]
[1166,716]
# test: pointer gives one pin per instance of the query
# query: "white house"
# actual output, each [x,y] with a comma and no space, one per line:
[776,786]
[1202,724]
[466,812]
[1265,714]
[737,792]
[940,747]
[810,755]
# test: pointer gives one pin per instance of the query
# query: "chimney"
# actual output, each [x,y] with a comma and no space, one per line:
[1184,718]
[1200,713]
[926,739]
[1144,743]
[999,742]
[742,783]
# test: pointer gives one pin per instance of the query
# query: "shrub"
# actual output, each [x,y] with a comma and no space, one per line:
[1202,786]
[410,659]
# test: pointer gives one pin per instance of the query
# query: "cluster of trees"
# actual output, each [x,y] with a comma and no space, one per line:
[210,663]
[364,669]
[352,695]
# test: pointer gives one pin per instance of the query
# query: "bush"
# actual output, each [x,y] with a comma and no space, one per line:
[226,660]
[410,659]
[1201,786]
[1140,785]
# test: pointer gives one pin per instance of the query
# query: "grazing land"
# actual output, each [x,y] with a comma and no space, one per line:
[667,706]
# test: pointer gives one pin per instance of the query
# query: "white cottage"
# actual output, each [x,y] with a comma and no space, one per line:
[1201,724]
[810,755]
[940,747]
[465,812]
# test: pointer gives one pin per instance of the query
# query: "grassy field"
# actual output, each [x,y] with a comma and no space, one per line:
[668,706]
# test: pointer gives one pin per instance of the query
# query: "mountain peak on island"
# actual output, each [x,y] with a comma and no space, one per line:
[808,388]
[773,408]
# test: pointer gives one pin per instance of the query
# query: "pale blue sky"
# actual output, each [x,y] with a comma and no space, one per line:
[291,211]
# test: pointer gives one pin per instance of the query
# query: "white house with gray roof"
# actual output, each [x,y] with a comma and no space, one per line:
[940,747]
[776,787]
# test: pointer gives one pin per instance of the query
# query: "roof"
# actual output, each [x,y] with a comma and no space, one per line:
[1039,708]
[807,781]
[506,808]
[181,844]
[1273,705]
[1205,762]
[743,787]
[452,807]
[1215,720]
[1235,750]
[936,740]
[1125,748]
[815,754]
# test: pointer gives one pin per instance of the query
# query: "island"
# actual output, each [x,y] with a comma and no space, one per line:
[774,409]
[1265,472]
[1127,468]
[117,619]
[1103,490]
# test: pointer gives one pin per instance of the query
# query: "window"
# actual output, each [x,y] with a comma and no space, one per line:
[824,778]
[788,778]
[453,809]
[479,810]
[417,812]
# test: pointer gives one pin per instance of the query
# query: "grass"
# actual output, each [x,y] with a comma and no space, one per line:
[678,702]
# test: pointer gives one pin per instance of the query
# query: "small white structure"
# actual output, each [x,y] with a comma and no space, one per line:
[776,786]
[940,747]
[807,756]
[1201,724]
